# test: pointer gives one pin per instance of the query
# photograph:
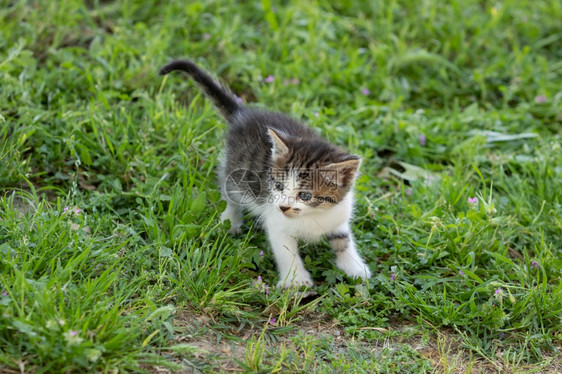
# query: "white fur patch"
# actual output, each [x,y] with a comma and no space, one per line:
[308,224]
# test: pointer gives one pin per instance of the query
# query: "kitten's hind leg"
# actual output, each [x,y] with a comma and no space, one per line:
[233,213]
[347,257]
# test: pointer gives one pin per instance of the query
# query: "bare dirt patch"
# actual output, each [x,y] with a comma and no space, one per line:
[227,346]
[223,348]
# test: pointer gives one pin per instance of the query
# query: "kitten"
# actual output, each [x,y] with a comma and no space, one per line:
[298,184]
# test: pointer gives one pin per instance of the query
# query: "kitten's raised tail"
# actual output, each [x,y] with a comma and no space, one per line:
[223,100]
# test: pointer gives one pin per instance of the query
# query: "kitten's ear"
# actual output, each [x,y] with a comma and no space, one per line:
[342,173]
[280,149]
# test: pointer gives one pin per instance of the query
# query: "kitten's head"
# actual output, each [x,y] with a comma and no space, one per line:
[309,174]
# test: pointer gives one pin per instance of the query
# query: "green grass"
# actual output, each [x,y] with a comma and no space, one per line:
[146,277]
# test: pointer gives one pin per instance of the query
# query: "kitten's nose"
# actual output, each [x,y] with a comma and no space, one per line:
[284,208]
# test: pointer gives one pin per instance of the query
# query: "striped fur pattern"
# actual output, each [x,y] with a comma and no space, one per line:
[299,185]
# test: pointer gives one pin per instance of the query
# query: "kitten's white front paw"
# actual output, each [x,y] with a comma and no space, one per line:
[353,267]
[235,221]
[235,230]
[296,280]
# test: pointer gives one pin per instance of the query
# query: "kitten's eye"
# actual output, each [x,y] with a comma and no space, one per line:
[303,175]
[278,186]
[305,196]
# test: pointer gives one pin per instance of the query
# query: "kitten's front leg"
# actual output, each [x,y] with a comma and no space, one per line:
[289,264]
[347,257]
